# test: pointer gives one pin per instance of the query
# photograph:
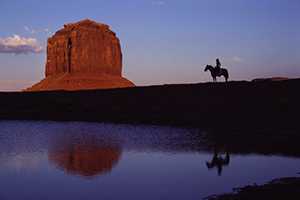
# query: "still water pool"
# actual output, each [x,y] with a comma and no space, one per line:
[76,160]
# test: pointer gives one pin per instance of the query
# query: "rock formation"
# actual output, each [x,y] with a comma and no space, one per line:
[87,160]
[83,55]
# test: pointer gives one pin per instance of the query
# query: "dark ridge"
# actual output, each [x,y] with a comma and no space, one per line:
[222,106]
[279,189]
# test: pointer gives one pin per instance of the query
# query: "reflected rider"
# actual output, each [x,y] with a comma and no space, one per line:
[218,162]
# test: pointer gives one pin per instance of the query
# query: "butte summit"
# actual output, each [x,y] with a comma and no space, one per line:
[81,56]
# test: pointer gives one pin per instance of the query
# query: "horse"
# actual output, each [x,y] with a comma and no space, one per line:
[215,74]
[218,162]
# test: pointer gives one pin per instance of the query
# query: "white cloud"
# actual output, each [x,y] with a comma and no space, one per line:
[19,45]
[27,29]
[158,3]
[34,31]
[237,59]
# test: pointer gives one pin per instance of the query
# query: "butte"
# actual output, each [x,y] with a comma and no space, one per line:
[82,56]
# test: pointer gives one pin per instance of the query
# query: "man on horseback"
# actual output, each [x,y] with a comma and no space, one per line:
[218,66]
[217,71]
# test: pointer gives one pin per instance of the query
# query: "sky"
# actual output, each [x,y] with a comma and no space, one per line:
[163,41]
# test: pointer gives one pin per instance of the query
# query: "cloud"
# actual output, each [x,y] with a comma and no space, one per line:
[158,3]
[15,85]
[19,45]
[237,59]
[34,31]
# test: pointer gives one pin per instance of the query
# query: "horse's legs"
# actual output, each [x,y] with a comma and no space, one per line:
[226,78]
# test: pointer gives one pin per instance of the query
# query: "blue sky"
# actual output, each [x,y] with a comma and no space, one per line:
[166,41]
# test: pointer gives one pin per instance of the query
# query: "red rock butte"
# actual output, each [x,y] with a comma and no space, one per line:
[83,55]
[85,160]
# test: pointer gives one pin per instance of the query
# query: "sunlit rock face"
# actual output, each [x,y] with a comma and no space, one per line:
[87,160]
[83,55]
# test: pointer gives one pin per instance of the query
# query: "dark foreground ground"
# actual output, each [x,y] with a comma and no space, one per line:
[233,105]
[279,189]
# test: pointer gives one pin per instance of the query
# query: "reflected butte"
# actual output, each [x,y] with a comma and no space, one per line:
[83,55]
[86,160]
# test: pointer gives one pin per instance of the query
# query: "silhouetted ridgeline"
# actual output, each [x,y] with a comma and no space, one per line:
[233,105]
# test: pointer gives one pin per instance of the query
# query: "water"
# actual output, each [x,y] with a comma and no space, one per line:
[49,160]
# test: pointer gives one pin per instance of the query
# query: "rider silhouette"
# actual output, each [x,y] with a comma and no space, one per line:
[218,66]
[218,161]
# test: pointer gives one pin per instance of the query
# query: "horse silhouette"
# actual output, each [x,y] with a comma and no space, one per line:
[217,73]
[218,162]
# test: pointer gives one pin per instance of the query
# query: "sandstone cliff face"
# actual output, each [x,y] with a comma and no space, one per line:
[83,55]
[85,46]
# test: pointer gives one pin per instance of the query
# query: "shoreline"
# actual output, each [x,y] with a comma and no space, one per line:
[282,188]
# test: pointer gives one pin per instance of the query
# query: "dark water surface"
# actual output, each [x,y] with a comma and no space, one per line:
[74,160]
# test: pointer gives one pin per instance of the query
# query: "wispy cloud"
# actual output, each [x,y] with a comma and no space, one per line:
[19,45]
[237,59]
[15,85]
[158,3]
[29,30]
[36,31]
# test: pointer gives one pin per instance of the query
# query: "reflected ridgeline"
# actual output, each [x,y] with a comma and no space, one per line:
[86,157]
[219,161]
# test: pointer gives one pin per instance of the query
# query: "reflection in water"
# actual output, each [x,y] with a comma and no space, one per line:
[219,161]
[86,157]
[153,158]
